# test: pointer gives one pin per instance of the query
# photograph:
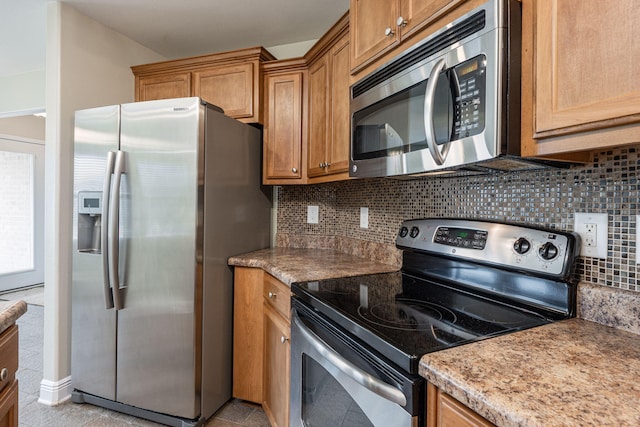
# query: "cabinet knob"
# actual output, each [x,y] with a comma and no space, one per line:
[4,374]
[321,165]
[327,164]
[401,22]
[283,339]
[389,32]
[294,170]
[272,295]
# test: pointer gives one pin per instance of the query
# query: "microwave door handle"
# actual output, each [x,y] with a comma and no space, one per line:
[429,99]
[114,228]
[104,230]
[371,383]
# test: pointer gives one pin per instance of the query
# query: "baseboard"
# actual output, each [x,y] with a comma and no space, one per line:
[53,393]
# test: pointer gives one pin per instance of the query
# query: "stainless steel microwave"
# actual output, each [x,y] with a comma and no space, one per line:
[451,101]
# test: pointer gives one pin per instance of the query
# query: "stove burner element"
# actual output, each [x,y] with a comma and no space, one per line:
[407,315]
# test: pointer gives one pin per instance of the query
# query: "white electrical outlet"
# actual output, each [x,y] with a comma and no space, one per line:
[364,217]
[593,231]
[313,214]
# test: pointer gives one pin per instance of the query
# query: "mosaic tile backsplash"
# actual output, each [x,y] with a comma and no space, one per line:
[546,198]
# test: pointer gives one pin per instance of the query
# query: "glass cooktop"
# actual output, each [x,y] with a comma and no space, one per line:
[403,317]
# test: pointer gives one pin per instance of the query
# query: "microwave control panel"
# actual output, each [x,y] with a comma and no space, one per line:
[470,101]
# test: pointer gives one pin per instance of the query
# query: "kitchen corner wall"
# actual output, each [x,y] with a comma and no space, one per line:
[547,198]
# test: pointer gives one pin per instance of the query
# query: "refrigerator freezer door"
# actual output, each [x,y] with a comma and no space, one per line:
[93,339]
[158,344]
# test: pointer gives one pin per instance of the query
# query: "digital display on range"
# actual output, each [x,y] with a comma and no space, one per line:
[461,237]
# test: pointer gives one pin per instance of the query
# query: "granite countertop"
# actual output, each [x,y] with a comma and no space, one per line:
[10,311]
[301,265]
[569,373]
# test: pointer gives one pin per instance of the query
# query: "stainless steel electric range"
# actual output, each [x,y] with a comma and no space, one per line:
[356,342]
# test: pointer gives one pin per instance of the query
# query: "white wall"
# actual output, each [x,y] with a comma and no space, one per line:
[87,65]
[291,50]
[22,93]
[30,127]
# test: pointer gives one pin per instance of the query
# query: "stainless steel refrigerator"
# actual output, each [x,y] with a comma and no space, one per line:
[164,192]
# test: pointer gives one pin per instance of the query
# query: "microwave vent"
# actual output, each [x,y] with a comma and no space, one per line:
[446,38]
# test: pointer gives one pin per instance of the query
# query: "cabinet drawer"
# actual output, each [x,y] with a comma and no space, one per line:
[277,295]
[8,356]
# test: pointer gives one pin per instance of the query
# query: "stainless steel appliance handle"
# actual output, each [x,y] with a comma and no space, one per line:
[114,229]
[429,100]
[361,377]
[104,230]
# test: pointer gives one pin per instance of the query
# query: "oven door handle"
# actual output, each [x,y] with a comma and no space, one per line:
[371,383]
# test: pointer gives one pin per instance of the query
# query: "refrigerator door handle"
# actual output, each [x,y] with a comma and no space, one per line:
[104,230]
[114,229]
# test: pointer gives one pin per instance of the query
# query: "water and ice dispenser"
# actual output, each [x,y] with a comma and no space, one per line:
[89,221]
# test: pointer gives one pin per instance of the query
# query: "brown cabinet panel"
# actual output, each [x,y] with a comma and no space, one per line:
[369,21]
[319,110]
[163,87]
[277,331]
[228,87]
[231,80]
[283,127]
[579,87]
[445,411]
[248,337]
[9,406]
[338,150]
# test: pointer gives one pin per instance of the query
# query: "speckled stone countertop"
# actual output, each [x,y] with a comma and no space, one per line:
[299,265]
[569,373]
[10,311]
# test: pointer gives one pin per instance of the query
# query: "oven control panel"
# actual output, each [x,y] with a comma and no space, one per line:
[539,250]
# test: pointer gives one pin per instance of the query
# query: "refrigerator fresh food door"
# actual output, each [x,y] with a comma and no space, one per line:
[158,341]
[93,331]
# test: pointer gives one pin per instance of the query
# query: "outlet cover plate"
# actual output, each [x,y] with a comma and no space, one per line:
[593,230]
[313,214]
[364,217]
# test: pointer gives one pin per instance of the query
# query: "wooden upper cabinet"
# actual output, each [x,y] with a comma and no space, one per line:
[230,88]
[231,80]
[329,118]
[373,29]
[580,85]
[377,26]
[283,135]
[165,86]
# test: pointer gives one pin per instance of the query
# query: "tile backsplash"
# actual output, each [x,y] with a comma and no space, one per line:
[546,198]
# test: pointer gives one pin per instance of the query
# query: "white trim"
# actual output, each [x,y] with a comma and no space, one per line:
[53,393]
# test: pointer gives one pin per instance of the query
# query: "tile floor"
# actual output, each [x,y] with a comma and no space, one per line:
[33,414]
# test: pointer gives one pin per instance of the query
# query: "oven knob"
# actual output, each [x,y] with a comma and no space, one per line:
[522,246]
[403,231]
[414,232]
[548,251]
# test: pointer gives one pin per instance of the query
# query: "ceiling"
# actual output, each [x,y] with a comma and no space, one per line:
[173,28]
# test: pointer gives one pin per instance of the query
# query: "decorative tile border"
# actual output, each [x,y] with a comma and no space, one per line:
[545,198]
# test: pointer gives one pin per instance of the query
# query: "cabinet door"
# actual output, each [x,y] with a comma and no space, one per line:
[340,138]
[319,113]
[277,356]
[445,411]
[283,127]
[9,406]
[229,87]
[164,86]
[586,60]
[248,337]
[417,13]
[370,20]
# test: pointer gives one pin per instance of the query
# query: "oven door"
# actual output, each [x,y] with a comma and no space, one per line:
[337,381]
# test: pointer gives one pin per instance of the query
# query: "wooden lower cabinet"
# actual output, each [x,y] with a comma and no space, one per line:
[248,337]
[261,349]
[277,331]
[8,381]
[445,411]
